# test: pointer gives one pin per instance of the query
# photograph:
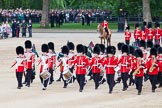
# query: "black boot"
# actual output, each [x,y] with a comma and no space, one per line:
[60,77]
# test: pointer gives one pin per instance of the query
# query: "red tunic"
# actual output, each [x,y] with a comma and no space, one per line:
[159,60]
[143,36]
[94,63]
[105,24]
[44,63]
[149,64]
[137,34]
[81,63]
[110,63]
[51,60]
[127,35]
[150,34]
[30,59]
[138,64]
[158,33]
[124,61]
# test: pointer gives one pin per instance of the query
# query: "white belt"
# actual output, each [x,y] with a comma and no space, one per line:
[110,65]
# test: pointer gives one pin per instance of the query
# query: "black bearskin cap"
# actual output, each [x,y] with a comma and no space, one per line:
[96,50]
[80,48]
[160,50]
[28,44]
[144,23]
[19,50]
[153,51]
[149,24]
[44,48]
[136,25]
[65,50]
[142,44]
[85,49]
[102,47]
[128,27]
[70,45]
[51,46]
[124,49]
[114,49]
[149,44]
[120,45]
[138,53]
[131,50]
[109,50]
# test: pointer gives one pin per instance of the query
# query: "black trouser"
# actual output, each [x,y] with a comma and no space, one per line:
[28,76]
[160,78]
[96,77]
[19,76]
[81,80]
[51,77]
[127,42]
[137,41]
[44,82]
[110,81]
[131,80]
[138,81]
[157,41]
[153,80]
[23,32]
[124,77]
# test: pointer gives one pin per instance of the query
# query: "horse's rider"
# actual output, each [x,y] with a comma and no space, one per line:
[105,26]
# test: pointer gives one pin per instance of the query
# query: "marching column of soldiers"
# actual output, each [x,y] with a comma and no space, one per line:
[133,64]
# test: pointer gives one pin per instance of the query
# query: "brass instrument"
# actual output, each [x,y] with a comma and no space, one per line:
[137,71]
[153,66]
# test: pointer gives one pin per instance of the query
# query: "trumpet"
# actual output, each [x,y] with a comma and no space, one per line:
[153,66]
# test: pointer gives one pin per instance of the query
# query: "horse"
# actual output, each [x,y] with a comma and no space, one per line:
[104,35]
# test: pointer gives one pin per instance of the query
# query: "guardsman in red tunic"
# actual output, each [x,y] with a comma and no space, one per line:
[95,62]
[60,56]
[124,63]
[159,60]
[80,62]
[30,60]
[152,67]
[20,65]
[137,33]
[102,57]
[71,56]
[127,35]
[143,36]
[110,63]
[43,61]
[139,70]
[150,32]
[142,46]
[131,70]
[52,60]
[158,33]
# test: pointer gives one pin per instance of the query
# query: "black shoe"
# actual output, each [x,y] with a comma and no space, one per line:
[24,82]
[74,79]
[58,80]
[18,87]
[96,88]
[80,90]
[124,89]
[27,85]
[103,81]
[159,86]
[139,93]
[43,88]
[90,78]
[153,91]
[65,86]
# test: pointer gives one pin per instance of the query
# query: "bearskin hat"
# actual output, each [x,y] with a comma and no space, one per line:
[70,45]
[128,27]
[65,50]
[149,24]
[120,45]
[80,48]
[124,49]
[19,50]
[157,24]
[144,23]
[44,48]
[102,47]
[153,51]
[96,50]
[28,44]
[149,44]
[85,49]
[142,44]
[114,49]
[51,46]
[109,50]
[136,25]
[131,50]
[138,53]
[160,50]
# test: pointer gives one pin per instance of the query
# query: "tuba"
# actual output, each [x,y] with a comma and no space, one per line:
[153,66]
